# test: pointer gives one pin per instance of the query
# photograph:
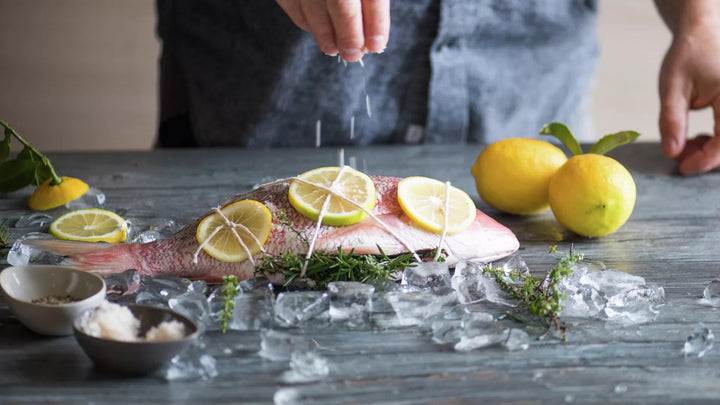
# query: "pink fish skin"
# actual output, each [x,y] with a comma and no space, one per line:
[485,239]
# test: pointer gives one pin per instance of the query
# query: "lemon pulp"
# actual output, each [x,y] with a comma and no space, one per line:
[235,233]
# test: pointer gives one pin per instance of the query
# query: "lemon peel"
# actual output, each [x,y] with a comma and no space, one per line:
[48,195]
[90,225]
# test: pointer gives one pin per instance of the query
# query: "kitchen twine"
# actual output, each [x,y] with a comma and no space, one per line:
[233,226]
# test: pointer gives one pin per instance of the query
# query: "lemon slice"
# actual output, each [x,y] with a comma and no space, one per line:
[90,225]
[423,200]
[47,196]
[308,192]
[236,232]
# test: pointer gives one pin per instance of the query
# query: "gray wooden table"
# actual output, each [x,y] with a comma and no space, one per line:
[671,239]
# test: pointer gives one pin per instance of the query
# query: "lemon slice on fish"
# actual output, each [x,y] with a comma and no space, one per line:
[308,192]
[424,201]
[236,232]
[90,225]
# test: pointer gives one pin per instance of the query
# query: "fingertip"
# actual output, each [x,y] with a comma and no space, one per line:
[376,44]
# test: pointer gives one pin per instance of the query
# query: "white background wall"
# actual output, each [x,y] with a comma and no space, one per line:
[82,74]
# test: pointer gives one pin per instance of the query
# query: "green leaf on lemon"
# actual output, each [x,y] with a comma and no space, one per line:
[561,132]
[16,174]
[612,141]
[5,146]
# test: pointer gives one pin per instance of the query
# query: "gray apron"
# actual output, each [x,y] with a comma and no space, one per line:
[454,71]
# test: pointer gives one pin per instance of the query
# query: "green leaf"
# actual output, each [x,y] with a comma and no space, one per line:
[42,173]
[561,132]
[5,146]
[612,141]
[16,174]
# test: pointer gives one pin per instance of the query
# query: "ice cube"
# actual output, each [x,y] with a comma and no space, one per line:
[415,307]
[277,345]
[38,221]
[611,282]
[472,285]
[22,254]
[148,230]
[296,308]
[253,307]
[122,283]
[513,263]
[433,276]
[194,305]
[586,302]
[93,198]
[192,364]
[349,300]
[306,366]
[446,331]
[481,330]
[571,283]
[164,286]
[379,302]
[637,305]
[517,339]
[699,342]
[711,294]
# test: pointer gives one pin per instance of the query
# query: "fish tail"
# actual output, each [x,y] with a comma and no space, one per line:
[101,258]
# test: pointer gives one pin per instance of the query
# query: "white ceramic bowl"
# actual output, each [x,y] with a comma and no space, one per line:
[23,284]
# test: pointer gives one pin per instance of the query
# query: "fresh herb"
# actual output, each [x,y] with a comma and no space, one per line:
[229,292]
[28,167]
[323,268]
[5,234]
[541,295]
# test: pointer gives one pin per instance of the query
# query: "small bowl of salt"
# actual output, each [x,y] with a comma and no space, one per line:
[47,299]
[133,339]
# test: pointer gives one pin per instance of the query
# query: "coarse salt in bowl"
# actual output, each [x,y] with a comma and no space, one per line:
[133,339]
[47,299]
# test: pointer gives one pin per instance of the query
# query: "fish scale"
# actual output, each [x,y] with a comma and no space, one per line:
[485,239]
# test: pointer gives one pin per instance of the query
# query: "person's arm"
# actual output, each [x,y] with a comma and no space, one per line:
[348,27]
[690,79]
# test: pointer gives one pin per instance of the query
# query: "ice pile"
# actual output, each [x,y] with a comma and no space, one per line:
[593,291]
[40,221]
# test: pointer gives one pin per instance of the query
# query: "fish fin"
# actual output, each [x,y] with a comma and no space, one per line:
[96,257]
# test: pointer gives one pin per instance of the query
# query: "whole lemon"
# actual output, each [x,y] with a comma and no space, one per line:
[512,175]
[592,195]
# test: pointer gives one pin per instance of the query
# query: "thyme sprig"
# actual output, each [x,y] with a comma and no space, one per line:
[5,234]
[229,292]
[541,295]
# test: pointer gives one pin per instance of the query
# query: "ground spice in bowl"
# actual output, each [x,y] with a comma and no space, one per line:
[56,300]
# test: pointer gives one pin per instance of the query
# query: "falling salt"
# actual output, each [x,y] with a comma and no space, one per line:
[352,127]
[367,105]
[341,157]
[360,61]
[318,125]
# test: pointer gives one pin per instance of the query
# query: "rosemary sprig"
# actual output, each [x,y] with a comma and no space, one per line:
[324,268]
[541,295]
[229,292]
[5,234]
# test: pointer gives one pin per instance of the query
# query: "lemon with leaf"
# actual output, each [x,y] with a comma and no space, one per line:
[512,175]
[351,193]
[30,167]
[591,194]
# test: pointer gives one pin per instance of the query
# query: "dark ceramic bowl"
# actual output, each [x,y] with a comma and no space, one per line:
[141,357]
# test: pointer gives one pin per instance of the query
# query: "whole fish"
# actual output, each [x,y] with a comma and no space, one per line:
[485,239]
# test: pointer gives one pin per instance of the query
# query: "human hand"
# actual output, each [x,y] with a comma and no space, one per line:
[690,79]
[348,27]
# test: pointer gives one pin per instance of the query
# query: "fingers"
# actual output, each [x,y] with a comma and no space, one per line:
[321,25]
[674,107]
[347,20]
[348,27]
[376,18]
[294,11]
[702,154]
